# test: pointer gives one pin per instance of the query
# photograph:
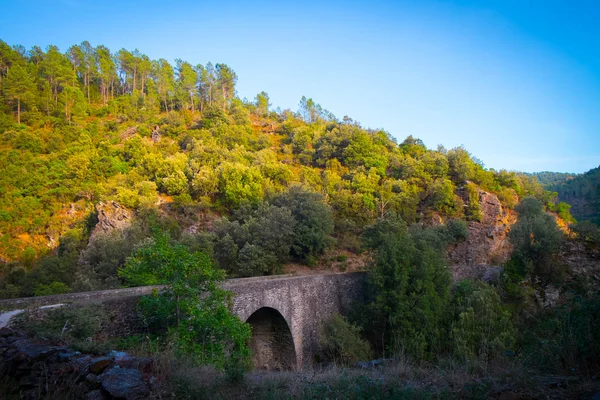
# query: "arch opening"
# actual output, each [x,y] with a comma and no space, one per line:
[272,344]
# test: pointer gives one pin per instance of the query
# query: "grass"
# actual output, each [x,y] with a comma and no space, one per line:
[398,380]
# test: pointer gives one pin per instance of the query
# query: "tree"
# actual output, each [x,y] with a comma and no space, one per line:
[314,222]
[227,79]
[107,72]
[409,289]
[193,308]
[262,103]
[186,78]
[19,86]
[165,81]
[536,240]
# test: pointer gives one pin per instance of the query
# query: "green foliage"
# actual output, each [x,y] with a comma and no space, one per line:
[410,290]
[53,288]
[587,231]
[313,221]
[482,327]
[257,243]
[473,210]
[536,239]
[580,191]
[192,307]
[74,324]
[340,342]
[565,340]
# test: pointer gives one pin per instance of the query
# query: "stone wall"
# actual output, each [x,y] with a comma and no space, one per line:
[304,303]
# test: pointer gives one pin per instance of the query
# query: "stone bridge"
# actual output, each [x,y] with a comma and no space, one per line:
[285,312]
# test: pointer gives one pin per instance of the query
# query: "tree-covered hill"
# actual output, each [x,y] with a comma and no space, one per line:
[250,186]
[582,192]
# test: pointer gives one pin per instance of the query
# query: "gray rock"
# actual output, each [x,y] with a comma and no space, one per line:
[124,383]
[37,351]
[94,395]
[6,332]
[67,355]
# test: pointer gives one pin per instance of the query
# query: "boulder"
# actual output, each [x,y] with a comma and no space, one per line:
[99,364]
[124,383]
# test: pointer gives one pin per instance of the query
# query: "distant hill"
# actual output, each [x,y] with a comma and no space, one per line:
[548,178]
[582,192]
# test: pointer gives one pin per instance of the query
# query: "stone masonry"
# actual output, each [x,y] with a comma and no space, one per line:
[272,305]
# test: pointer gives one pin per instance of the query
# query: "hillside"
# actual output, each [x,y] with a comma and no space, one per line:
[172,148]
[582,192]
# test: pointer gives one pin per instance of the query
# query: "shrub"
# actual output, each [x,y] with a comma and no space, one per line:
[482,327]
[565,340]
[75,324]
[193,309]
[536,239]
[313,221]
[409,289]
[587,231]
[340,342]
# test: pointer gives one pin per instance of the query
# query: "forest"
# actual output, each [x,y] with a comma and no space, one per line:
[232,187]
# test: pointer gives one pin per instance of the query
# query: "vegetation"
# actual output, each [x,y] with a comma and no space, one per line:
[192,310]
[580,191]
[173,143]
[341,343]
[218,187]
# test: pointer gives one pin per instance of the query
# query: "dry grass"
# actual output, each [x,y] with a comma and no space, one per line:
[399,379]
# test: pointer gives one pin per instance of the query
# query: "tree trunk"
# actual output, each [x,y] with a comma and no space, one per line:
[19,109]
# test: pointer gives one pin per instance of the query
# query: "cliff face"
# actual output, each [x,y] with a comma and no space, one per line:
[488,242]
[111,215]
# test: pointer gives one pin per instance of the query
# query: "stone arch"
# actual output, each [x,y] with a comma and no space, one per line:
[272,342]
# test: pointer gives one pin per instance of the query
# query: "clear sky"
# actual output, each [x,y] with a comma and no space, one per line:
[517,82]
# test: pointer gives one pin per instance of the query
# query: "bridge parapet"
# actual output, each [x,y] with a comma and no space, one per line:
[304,303]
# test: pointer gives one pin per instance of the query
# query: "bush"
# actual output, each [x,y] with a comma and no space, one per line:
[587,232]
[482,327]
[536,239]
[75,324]
[340,342]
[565,340]
[192,309]
[409,289]
[257,243]
[313,221]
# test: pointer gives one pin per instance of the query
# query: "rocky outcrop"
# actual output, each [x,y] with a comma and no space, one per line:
[111,216]
[488,242]
[36,369]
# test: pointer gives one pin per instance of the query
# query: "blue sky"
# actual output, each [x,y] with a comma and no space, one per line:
[517,82]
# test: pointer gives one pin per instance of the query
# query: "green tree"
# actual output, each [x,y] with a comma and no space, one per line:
[262,103]
[536,240]
[313,221]
[187,78]
[19,87]
[196,311]
[410,289]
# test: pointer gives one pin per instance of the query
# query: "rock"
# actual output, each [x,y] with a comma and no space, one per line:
[6,332]
[94,395]
[67,356]
[99,364]
[92,378]
[124,383]
[156,134]
[487,243]
[36,352]
[111,216]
